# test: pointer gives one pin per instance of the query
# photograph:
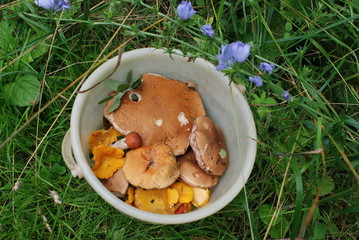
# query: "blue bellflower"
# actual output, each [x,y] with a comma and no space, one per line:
[257,80]
[240,51]
[266,67]
[55,5]
[185,10]
[224,58]
[231,53]
[221,66]
[286,96]
[208,30]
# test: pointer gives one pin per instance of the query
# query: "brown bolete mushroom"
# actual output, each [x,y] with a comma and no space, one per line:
[117,184]
[151,167]
[192,174]
[132,140]
[209,146]
[161,110]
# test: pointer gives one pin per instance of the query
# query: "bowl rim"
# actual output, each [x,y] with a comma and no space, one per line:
[120,205]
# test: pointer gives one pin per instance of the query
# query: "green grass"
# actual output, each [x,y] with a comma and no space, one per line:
[314,45]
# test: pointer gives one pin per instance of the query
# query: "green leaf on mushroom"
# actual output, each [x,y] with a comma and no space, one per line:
[117,101]
[111,84]
[129,77]
[120,89]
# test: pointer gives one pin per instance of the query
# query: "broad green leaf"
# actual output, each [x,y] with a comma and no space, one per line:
[112,84]
[269,100]
[123,87]
[263,96]
[288,26]
[116,102]
[320,231]
[279,230]
[129,77]
[27,58]
[24,91]
[333,230]
[266,212]
[256,100]
[136,83]
[8,41]
[39,50]
[326,184]
[58,169]
[106,99]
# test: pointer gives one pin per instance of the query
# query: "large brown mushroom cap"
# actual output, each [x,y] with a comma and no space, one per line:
[209,146]
[151,167]
[161,110]
[192,174]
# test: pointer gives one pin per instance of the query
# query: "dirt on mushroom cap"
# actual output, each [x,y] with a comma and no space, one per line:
[208,143]
[163,114]
[151,167]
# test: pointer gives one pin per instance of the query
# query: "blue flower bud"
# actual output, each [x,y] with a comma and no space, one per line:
[266,67]
[286,96]
[257,80]
[207,29]
[221,66]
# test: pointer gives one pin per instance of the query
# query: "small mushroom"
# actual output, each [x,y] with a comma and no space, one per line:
[117,184]
[132,140]
[209,146]
[151,167]
[192,174]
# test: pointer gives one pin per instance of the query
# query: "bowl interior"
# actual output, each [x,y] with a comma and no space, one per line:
[224,104]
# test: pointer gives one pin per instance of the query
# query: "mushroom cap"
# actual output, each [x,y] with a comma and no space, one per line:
[161,110]
[209,146]
[192,174]
[151,167]
[117,184]
[133,140]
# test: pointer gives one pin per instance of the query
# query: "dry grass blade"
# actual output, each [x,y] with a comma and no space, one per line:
[346,160]
[310,213]
[277,207]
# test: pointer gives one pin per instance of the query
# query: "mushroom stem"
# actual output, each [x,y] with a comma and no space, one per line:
[120,144]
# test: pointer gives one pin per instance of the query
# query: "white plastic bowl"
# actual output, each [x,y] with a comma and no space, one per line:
[232,115]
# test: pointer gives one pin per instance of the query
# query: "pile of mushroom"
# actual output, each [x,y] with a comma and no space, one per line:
[170,153]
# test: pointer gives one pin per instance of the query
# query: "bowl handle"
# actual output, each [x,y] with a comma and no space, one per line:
[68,157]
